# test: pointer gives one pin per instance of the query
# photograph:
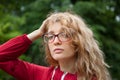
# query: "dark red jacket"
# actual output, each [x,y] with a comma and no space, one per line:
[21,70]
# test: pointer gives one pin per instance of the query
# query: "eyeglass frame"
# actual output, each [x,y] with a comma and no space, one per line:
[54,36]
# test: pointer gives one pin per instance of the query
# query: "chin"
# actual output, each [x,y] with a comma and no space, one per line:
[58,58]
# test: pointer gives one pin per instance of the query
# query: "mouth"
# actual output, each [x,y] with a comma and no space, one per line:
[58,50]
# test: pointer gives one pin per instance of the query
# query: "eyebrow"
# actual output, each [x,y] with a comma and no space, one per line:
[50,32]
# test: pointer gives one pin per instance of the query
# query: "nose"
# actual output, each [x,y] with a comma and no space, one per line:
[57,40]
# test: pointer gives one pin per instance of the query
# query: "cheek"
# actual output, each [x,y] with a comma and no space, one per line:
[69,48]
[50,47]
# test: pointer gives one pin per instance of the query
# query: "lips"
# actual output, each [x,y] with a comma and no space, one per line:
[58,50]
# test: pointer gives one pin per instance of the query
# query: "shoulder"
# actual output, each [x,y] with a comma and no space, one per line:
[41,72]
[40,68]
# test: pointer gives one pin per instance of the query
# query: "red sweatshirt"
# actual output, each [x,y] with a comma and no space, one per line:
[21,70]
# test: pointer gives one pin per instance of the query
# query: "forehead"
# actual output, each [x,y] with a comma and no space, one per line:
[55,27]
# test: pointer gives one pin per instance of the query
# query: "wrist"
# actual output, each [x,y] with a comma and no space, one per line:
[34,35]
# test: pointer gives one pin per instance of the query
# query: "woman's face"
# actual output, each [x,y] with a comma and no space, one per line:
[59,46]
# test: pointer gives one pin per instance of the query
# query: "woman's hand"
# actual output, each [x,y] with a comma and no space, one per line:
[42,28]
[37,33]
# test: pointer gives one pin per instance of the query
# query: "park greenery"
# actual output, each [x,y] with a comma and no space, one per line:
[19,17]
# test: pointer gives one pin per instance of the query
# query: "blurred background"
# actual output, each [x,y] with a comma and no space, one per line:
[18,17]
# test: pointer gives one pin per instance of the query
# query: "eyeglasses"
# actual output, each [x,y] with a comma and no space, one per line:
[63,37]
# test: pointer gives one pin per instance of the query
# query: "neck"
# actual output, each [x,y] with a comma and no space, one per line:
[67,65]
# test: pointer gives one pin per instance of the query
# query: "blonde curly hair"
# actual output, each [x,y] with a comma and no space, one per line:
[89,58]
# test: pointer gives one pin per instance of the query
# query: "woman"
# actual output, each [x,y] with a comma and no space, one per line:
[71,51]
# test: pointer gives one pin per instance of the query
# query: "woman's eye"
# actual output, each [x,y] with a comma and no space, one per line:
[50,37]
[64,35]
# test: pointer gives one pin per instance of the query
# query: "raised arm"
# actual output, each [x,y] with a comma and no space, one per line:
[13,48]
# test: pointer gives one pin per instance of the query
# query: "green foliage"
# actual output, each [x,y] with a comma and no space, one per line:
[5,76]
[9,26]
[28,16]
